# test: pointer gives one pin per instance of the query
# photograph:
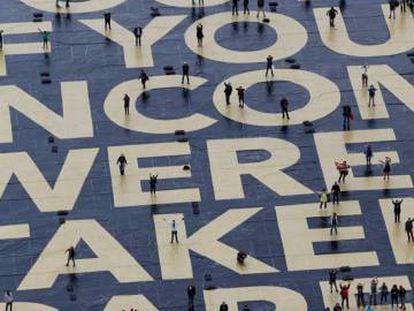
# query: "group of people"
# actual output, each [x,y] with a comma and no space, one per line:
[394,4]
[246,10]
[397,294]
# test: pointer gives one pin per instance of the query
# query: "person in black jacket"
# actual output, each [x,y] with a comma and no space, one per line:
[71,256]
[191,292]
[397,210]
[228,89]
[394,295]
[186,71]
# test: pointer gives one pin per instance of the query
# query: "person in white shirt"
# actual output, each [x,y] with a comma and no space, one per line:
[174,229]
[8,299]
[364,69]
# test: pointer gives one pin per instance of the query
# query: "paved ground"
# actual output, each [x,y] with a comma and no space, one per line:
[123,247]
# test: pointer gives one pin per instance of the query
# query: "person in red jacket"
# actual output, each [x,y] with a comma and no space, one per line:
[343,169]
[344,294]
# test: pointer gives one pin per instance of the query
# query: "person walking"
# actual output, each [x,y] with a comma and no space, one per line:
[137,34]
[397,210]
[343,169]
[409,229]
[153,183]
[384,293]
[360,295]
[284,104]
[71,256]
[235,7]
[224,306]
[241,93]
[144,78]
[323,198]
[191,292]
[344,292]
[126,104]
[368,154]
[334,223]
[228,89]
[371,93]
[386,170]
[107,20]
[365,75]
[393,5]
[174,229]
[199,34]
[186,71]
[246,7]
[401,294]
[335,190]
[332,279]
[269,65]
[394,295]
[45,38]
[373,293]
[122,162]
[8,299]
[347,116]
[260,8]
[332,12]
